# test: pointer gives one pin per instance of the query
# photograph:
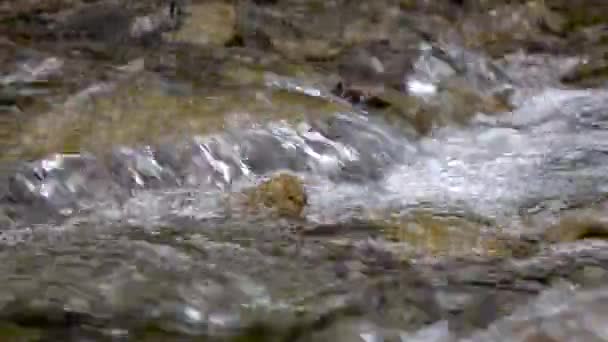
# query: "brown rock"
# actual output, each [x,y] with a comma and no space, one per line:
[284,193]
[578,227]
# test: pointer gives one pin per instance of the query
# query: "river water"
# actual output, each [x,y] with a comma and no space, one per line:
[402,235]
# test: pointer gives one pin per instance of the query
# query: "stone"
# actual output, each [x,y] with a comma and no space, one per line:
[590,275]
[207,23]
[574,227]
[283,193]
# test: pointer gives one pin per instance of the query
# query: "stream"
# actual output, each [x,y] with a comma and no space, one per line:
[293,170]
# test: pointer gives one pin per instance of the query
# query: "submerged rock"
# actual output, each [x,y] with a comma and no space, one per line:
[147,109]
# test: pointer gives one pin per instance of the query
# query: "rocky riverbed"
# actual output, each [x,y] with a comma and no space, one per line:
[301,170]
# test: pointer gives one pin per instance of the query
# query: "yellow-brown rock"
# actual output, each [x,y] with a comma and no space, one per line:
[578,225]
[284,194]
[452,236]
[207,23]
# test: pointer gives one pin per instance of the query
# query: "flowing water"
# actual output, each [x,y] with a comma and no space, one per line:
[158,238]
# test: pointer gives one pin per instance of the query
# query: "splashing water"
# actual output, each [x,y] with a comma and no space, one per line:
[115,224]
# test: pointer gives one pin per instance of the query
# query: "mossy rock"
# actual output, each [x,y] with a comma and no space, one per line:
[589,75]
[499,28]
[10,332]
[284,194]
[142,112]
[211,22]
[454,236]
[579,14]
[576,227]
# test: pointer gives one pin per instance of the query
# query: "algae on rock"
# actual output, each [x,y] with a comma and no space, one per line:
[283,193]
[452,236]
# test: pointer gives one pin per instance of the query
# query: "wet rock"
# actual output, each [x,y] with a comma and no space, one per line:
[452,101]
[368,22]
[103,30]
[483,309]
[282,26]
[469,97]
[447,236]
[589,41]
[587,13]
[504,286]
[199,162]
[545,318]
[443,8]
[361,156]
[139,169]
[590,276]
[39,129]
[38,83]
[30,6]
[455,103]
[348,330]
[539,337]
[144,110]
[588,74]
[115,23]
[377,64]
[283,193]
[206,23]
[103,22]
[58,186]
[15,333]
[331,281]
[395,300]
[505,28]
[320,31]
[577,227]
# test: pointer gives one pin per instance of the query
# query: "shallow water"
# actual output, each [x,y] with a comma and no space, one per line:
[137,225]
[165,212]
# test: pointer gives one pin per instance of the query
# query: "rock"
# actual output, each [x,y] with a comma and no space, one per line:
[102,24]
[347,330]
[590,276]
[578,227]
[454,102]
[281,26]
[8,9]
[506,28]
[283,193]
[319,30]
[589,74]
[377,63]
[423,233]
[207,23]
[539,337]
[582,14]
[148,109]
[483,309]
[112,23]
[15,333]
